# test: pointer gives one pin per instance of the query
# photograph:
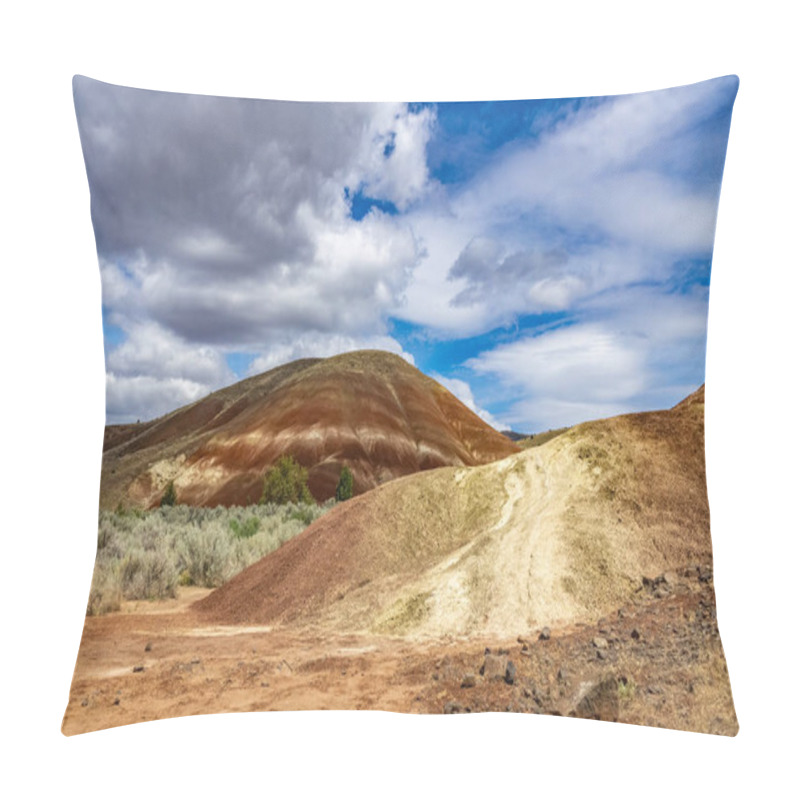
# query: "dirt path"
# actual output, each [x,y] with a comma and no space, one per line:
[154,661]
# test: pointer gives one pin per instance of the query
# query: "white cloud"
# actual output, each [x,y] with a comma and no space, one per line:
[143,397]
[588,361]
[157,352]
[153,371]
[463,391]
[224,224]
[608,188]
[401,176]
[227,228]
[637,349]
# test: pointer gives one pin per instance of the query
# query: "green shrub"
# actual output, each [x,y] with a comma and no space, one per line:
[148,575]
[207,558]
[148,554]
[344,489]
[286,482]
[246,529]
[106,593]
[170,496]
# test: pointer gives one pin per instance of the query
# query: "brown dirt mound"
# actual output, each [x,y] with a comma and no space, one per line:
[369,410]
[556,534]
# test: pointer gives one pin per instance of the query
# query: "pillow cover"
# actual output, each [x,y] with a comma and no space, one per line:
[404,407]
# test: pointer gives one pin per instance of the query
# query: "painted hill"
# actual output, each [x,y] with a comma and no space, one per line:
[556,534]
[369,409]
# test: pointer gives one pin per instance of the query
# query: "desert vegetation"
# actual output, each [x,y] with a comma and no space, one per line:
[344,489]
[286,482]
[147,554]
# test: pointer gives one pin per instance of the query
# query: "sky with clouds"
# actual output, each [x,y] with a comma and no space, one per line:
[547,261]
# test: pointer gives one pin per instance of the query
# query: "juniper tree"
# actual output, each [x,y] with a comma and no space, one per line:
[344,489]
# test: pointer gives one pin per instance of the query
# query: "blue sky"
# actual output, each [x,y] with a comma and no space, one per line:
[548,261]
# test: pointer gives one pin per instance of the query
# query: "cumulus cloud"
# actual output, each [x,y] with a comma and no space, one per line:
[160,353]
[616,192]
[463,391]
[154,371]
[610,362]
[226,222]
[142,397]
[226,226]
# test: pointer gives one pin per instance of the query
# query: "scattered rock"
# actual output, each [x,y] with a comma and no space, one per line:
[600,643]
[468,682]
[455,708]
[598,700]
[116,701]
[138,668]
[511,673]
[601,654]
[148,647]
[544,635]
[635,634]
[85,702]
[494,667]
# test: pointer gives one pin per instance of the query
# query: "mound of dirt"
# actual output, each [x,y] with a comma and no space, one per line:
[554,535]
[369,410]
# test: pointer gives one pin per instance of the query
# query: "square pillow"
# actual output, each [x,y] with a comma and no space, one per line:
[405,407]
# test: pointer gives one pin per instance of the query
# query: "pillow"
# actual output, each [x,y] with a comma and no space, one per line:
[405,407]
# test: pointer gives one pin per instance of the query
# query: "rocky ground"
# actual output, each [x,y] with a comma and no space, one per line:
[657,661]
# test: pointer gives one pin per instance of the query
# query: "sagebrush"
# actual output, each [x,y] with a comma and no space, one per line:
[147,554]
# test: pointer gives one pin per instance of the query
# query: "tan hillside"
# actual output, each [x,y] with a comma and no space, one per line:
[369,410]
[557,534]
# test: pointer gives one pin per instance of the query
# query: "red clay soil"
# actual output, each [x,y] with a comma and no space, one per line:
[368,410]
[657,661]
[395,532]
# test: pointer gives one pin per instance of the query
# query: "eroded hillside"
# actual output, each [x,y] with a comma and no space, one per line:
[560,533]
[369,410]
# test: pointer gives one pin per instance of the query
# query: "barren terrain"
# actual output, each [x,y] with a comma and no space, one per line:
[573,578]
[657,661]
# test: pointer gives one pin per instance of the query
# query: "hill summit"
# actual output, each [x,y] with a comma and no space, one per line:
[369,410]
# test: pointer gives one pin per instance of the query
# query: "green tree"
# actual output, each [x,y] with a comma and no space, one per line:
[170,496]
[344,489]
[286,482]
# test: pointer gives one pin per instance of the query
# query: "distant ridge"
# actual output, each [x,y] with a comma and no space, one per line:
[369,410]
[514,436]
